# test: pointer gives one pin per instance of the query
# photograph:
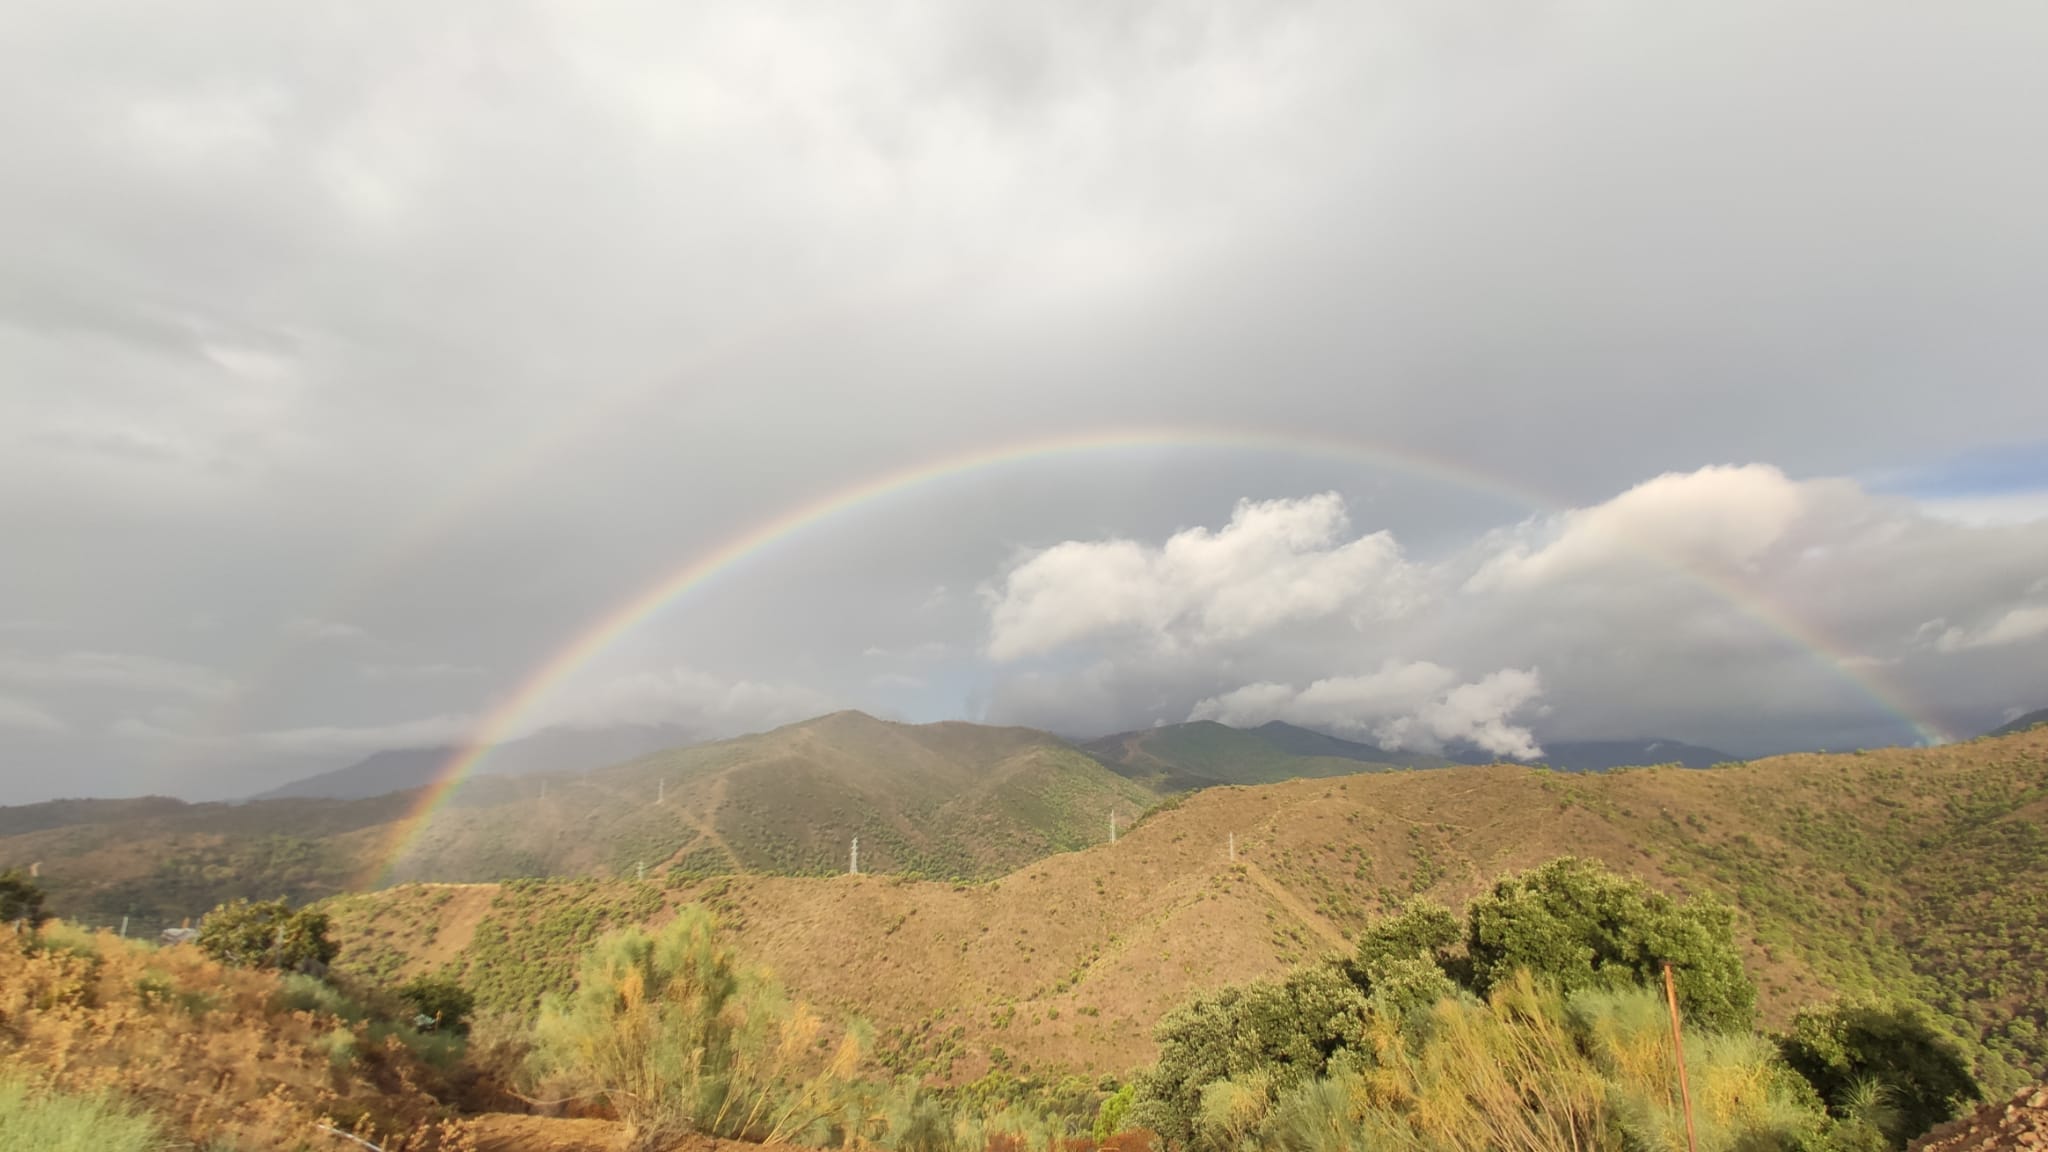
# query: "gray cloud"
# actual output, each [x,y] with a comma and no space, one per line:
[465,325]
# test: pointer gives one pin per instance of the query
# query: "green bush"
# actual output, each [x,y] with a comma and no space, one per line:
[1267,1035]
[440,997]
[1882,1062]
[1576,923]
[20,898]
[267,934]
[55,1122]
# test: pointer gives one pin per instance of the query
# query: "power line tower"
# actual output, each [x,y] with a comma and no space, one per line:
[1112,825]
[853,865]
[1233,847]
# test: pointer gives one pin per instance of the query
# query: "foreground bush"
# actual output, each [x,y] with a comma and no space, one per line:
[679,1037]
[1886,1063]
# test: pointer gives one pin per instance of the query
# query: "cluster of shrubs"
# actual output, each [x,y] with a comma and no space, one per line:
[1539,1021]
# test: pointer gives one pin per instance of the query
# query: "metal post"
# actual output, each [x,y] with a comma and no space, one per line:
[1692,1141]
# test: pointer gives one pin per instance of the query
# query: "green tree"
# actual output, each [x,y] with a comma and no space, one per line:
[439,996]
[267,934]
[1575,923]
[1272,1034]
[1882,1061]
[20,898]
[1115,1110]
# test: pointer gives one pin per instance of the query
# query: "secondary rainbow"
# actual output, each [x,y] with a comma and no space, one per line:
[506,720]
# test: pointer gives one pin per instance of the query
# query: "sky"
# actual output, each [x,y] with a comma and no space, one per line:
[1477,372]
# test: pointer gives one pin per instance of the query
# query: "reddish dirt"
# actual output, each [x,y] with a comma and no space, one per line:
[2017,1125]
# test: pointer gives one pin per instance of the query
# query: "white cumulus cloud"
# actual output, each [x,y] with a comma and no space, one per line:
[1416,705]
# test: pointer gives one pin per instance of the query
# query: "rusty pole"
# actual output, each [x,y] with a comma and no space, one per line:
[1692,1141]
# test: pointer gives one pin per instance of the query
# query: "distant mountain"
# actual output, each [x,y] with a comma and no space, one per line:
[950,799]
[1307,742]
[2021,724]
[1203,754]
[1601,755]
[549,750]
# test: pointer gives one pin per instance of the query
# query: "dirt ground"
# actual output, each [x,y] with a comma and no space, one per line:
[2016,1125]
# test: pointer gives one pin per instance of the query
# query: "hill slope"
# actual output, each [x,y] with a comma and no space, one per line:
[943,799]
[2022,723]
[1903,870]
[1203,754]
[1605,755]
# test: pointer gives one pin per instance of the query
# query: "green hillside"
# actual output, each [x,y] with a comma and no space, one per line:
[1899,871]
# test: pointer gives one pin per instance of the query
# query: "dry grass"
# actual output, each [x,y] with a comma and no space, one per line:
[209,1051]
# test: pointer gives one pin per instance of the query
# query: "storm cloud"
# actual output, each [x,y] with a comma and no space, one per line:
[356,359]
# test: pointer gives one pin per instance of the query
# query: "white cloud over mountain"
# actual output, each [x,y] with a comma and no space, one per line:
[1691,596]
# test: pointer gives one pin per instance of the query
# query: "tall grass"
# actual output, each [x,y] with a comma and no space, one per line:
[59,1122]
[1531,1070]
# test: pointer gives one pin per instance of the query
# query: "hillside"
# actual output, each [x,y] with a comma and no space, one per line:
[2032,719]
[1204,754]
[942,799]
[1914,870]
[549,750]
[946,799]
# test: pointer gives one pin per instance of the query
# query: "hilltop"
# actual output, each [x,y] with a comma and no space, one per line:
[1204,754]
[942,799]
[1900,870]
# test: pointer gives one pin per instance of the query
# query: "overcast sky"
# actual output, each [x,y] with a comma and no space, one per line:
[356,357]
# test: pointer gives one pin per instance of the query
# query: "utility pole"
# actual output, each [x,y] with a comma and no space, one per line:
[853,868]
[124,927]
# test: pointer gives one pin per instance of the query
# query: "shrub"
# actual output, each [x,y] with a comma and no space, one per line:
[1884,1063]
[1266,1035]
[20,898]
[267,934]
[56,1122]
[439,997]
[1582,926]
[679,1037]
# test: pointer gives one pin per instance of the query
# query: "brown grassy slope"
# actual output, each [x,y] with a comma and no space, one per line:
[219,1054]
[1837,864]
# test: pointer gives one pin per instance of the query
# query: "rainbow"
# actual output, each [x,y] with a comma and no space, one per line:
[511,715]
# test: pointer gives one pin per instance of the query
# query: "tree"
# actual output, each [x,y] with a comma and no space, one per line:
[20,898]
[439,997]
[1582,926]
[267,934]
[1885,1058]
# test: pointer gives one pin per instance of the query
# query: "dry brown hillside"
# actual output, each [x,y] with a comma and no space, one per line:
[1859,871]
